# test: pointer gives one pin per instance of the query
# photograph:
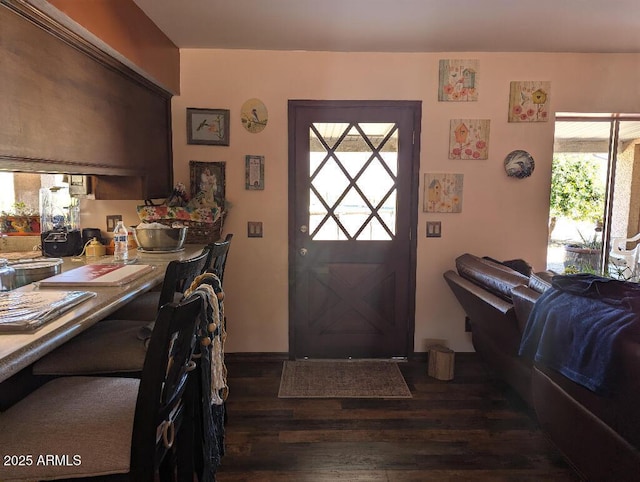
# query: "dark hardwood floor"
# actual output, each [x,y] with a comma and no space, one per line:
[472,428]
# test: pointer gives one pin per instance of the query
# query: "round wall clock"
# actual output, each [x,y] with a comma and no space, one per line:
[519,164]
[254,115]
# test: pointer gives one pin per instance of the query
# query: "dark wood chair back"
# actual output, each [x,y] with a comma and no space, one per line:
[218,252]
[160,407]
[180,274]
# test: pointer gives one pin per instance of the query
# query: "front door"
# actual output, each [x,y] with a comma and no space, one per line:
[352,220]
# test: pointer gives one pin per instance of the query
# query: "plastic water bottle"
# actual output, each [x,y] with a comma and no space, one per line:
[120,240]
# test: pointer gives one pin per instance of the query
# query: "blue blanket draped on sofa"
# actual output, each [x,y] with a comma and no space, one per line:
[574,326]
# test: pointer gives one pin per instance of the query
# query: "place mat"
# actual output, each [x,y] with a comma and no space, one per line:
[342,379]
[25,311]
[98,274]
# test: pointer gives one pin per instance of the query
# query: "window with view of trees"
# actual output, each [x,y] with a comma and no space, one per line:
[591,199]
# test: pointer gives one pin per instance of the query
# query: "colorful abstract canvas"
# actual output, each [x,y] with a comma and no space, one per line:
[442,193]
[469,139]
[529,101]
[458,81]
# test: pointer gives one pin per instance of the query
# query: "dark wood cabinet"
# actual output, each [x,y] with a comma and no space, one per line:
[67,107]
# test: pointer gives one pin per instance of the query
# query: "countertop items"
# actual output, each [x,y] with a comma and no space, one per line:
[19,350]
[98,274]
[27,311]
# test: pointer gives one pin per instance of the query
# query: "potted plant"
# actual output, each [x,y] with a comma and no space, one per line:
[584,257]
[21,220]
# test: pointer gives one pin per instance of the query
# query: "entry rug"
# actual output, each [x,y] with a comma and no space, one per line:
[342,379]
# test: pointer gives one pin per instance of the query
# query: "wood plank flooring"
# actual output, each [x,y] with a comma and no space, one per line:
[472,428]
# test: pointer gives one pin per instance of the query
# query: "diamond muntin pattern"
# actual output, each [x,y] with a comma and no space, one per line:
[353,181]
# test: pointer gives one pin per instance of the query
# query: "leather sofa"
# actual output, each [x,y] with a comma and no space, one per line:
[598,434]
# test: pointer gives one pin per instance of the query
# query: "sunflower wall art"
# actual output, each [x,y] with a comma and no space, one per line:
[469,139]
[529,101]
[458,81]
[442,193]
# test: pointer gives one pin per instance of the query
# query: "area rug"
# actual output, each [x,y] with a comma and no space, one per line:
[342,379]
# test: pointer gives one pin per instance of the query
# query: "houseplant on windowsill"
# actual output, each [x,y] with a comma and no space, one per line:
[21,220]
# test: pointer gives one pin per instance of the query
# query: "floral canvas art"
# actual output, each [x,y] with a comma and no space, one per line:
[458,81]
[529,101]
[469,139]
[442,193]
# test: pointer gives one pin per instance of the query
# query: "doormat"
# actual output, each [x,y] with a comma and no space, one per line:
[342,379]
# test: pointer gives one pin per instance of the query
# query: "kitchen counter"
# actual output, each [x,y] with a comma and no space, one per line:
[19,350]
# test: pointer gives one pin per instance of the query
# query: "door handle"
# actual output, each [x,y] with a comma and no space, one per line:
[303,251]
[304,228]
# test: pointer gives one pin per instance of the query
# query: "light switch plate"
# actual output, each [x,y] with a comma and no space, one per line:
[254,229]
[434,229]
[112,220]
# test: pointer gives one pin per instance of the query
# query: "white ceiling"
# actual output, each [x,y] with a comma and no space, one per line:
[401,25]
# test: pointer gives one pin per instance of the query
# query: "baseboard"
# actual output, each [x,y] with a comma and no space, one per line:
[256,356]
[418,356]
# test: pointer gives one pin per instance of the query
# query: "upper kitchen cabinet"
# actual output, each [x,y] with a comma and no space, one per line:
[66,106]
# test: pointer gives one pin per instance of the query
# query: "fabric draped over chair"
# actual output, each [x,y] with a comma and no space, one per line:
[213,372]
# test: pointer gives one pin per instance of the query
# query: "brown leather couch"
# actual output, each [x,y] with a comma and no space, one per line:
[599,435]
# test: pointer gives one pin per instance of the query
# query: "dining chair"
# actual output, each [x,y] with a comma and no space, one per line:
[107,427]
[218,252]
[118,346]
[178,276]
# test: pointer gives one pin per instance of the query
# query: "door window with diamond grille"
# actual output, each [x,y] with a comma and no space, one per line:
[353,212]
[353,181]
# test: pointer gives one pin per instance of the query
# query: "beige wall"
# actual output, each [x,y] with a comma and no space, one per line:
[502,217]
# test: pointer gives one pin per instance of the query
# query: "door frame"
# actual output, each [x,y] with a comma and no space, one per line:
[416,107]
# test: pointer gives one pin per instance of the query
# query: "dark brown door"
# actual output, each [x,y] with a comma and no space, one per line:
[352,221]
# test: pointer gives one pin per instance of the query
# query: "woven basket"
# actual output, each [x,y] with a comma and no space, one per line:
[198,232]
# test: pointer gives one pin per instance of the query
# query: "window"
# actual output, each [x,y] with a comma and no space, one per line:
[21,188]
[353,170]
[592,199]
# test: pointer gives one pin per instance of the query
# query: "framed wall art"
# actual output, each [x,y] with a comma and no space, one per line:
[254,115]
[458,81]
[529,101]
[207,183]
[208,126]
[469,139]
[254,173]
[442,193]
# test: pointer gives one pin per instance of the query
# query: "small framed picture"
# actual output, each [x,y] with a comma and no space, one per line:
[208,126]
[254,173]
[208,183]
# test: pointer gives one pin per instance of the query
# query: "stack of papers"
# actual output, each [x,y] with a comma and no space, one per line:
[26,311]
